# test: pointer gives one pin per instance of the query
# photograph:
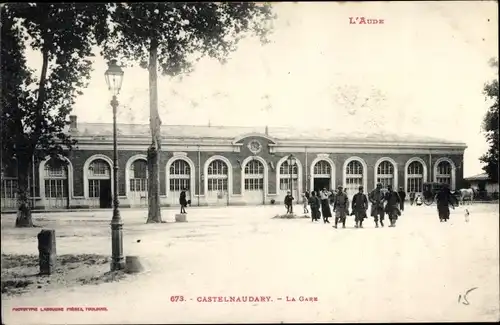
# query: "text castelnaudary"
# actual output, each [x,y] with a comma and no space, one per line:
[234,299]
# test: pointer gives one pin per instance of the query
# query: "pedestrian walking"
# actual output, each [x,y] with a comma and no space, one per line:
[444,199]
[376,198]
[314,203]
[341,207]
[183,201]
[402,196]
[392,206]
[359,207]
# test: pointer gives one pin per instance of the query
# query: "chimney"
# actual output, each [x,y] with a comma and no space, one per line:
[72,122]
[267,130]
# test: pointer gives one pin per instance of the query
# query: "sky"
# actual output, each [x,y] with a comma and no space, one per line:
[422,72]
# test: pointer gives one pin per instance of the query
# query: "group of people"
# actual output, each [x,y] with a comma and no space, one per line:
[388,202]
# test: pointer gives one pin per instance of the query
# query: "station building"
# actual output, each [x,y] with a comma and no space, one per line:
[226,165]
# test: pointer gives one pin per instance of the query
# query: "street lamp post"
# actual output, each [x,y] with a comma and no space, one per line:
[114,79]
[291,163]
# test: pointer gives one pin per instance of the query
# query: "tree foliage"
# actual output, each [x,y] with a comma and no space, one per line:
[490,126]
[36,104]
[183,32]
[170,37]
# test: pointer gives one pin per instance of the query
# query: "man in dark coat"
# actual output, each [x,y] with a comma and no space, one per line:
[315,204]
[444,199]
[359,207]
[392,206]
[182,201]
[402,196]
[376,198]
[289,202]
[341,207]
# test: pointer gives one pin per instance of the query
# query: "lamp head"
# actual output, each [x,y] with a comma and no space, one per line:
[114,77]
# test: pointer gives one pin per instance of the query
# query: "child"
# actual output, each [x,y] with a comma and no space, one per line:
[288,202]
[418,200]
[412,198]
[305,200]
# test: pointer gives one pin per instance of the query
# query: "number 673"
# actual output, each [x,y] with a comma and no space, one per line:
[176,298]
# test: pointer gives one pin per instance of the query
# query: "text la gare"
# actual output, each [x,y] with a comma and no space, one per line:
[301,299]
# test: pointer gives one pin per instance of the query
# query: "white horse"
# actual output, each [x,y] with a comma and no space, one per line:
[467,194]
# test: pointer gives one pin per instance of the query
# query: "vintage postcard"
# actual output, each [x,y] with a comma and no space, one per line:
[249,162]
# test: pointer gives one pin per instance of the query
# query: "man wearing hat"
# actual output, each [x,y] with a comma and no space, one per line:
[392,207]
[376,198]
[341,207]
[359,207]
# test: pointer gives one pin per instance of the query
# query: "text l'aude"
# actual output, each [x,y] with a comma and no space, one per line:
[365,21]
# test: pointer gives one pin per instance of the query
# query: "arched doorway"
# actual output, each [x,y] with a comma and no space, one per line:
[99,184]
[322,176]
[138,183]
[254,182]
[179,178]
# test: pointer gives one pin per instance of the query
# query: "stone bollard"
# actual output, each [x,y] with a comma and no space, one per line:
[133,265]
[47,251]
[180,217]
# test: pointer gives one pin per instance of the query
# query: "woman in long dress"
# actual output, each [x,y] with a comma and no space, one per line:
[325,205]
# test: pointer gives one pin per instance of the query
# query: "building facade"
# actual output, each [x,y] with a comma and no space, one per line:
[231,165]
[483,181]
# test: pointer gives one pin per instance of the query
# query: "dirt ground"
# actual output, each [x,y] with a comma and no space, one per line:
[20,273]
[418,271]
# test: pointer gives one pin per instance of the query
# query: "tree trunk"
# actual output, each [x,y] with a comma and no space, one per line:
[154,151]
[23,208]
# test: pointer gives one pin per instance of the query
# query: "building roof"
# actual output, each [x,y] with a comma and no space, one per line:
[232,132]
[478,177]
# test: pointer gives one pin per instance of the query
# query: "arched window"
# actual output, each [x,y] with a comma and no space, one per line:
[254,175]
[443,174]
[354,177]
[385,173]
[322,169]
[415,177]
[9,185]
[288,171]
[55,179]
[180,174]
[138,176]
[217,177]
